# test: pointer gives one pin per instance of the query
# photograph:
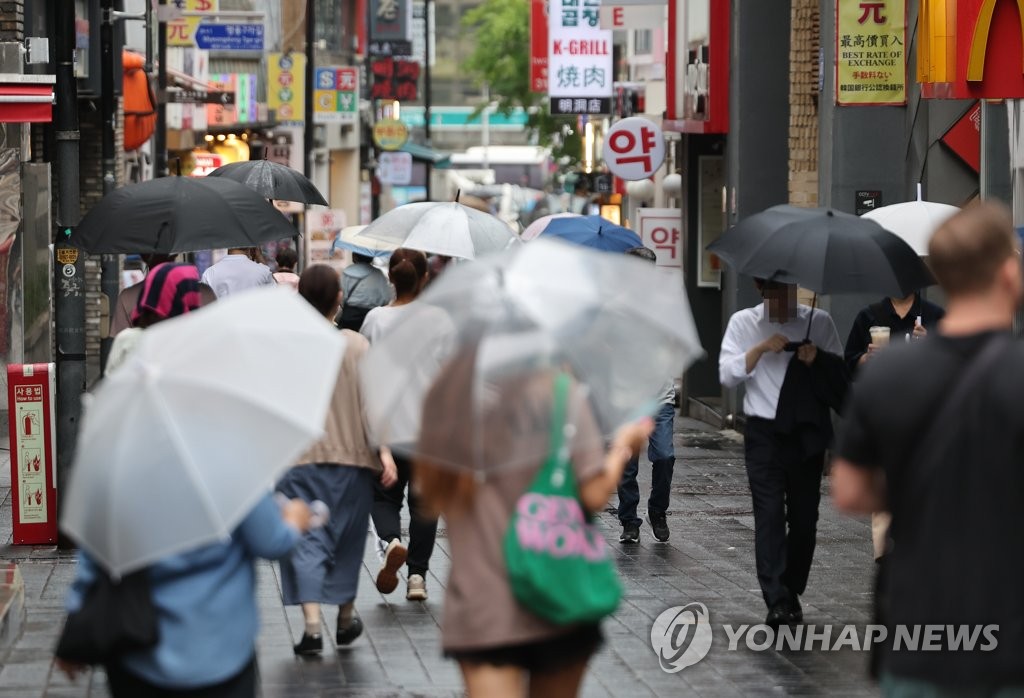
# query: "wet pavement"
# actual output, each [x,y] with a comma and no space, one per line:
[709,559]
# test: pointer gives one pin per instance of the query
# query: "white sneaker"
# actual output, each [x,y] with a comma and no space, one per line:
[416,589]
[394,558]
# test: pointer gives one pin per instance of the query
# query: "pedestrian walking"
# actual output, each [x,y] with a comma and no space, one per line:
[237,272]
[168,290]
[503,649]
[889,320]
[285,275]
[339,470]
[408,273]
[933,435]
[128,298]
[661,453]
[792,377]
[363,288]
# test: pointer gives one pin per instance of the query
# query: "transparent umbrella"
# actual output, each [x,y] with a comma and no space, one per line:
[449,229]
[620,326]
[179,444]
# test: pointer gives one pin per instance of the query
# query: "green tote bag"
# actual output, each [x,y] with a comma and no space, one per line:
[559,565]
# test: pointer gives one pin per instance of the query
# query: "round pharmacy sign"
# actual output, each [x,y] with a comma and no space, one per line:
[390,134]
[634,148]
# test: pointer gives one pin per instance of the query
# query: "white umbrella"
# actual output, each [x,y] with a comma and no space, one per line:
[179,444]
[914,221]
[621,325]
[350,237]
[449,229]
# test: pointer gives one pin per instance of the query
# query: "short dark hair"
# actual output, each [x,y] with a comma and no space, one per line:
[320,286]
[965,252]
[286,258]
[361,258]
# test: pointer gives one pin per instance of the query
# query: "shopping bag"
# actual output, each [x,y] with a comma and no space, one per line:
[559,565]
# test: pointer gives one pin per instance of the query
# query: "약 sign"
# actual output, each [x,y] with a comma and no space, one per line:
[634,148]
[659,228]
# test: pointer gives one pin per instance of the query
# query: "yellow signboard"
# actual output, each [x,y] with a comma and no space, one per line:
[286,85]
[182,31]
[871,52]
[390,134]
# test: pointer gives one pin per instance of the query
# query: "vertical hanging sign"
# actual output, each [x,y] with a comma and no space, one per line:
[871,52]
[580,74]
[539,46]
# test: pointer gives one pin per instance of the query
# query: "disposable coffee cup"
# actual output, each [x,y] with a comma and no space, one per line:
[879,336]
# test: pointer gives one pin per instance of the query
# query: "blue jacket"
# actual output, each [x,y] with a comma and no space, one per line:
[206,603]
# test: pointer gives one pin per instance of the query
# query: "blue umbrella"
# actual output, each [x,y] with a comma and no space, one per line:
[594,232]
[365,251]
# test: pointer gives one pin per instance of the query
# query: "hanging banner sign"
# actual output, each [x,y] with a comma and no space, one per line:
[580,73]
[286,86]
[871,52]
[538,46]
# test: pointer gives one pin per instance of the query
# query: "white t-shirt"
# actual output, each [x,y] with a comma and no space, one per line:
[380,320]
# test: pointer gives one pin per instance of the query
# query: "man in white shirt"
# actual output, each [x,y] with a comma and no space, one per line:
[237,272]
[792,379]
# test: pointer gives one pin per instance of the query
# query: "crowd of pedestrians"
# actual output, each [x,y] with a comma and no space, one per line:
[913,415]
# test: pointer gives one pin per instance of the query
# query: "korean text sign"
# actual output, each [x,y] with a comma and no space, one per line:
[634,148]
[871,52]
[660,228]
[580,72]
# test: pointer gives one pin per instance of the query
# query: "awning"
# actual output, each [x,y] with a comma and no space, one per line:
[425,154]
[26,98]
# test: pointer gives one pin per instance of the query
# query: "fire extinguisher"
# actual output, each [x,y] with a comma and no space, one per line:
[28,425]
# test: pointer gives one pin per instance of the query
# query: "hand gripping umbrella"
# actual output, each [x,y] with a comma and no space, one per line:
[179,214]
[272,180]
[619,325]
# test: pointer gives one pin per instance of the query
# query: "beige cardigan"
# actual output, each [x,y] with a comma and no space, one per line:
[344,441]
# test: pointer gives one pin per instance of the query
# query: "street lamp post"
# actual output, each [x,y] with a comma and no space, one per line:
[108,262]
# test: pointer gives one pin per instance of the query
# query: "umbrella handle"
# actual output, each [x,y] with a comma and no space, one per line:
[814,303]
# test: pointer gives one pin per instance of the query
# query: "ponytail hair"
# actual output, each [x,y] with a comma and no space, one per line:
[407,270]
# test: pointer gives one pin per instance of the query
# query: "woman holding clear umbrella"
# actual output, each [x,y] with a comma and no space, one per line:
[502,648]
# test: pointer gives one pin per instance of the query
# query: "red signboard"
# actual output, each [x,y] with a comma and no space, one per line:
[26,103]
[30,390]
[538,46]
[394,79]
[972,49]
[964,138]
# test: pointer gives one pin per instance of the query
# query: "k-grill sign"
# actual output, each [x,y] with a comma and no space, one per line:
[580,72]
[971,49]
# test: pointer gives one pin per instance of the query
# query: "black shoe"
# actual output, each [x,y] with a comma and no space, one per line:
[778,614]
[659,526]
[796,612]
[347,635]
[309,645]
[630,533]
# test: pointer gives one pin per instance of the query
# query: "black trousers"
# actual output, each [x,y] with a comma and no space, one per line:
[785,484]
[387,508]
[127,684]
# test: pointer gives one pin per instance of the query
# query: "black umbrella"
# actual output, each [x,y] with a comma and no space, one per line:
[272,180]
[180,214]
[823,250]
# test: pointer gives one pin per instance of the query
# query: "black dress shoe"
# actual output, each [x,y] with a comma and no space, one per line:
[309,645]
[347,635]
[796,612]
[659,526]
[778,615]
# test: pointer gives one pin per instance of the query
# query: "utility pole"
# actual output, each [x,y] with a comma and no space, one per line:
[69,277]
[108,262]
[160,137]
[428,9]
[307,132]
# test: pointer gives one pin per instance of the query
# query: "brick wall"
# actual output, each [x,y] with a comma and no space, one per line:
[90,177]
[805,39]
[12,20]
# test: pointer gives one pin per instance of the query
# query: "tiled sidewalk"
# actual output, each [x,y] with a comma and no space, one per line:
[708,559]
